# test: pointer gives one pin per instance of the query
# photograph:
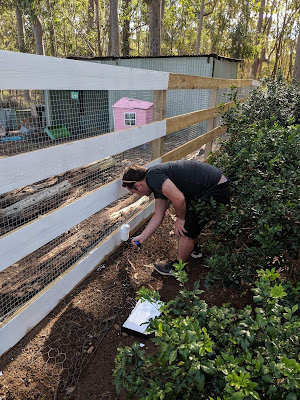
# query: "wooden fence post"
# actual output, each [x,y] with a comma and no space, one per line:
[159,113]
[211,122]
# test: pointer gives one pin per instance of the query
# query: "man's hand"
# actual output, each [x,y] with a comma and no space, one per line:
[179,227]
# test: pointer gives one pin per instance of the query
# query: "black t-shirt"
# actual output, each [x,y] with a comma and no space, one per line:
[192,178]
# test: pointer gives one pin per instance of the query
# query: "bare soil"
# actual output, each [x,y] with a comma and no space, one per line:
[70,354]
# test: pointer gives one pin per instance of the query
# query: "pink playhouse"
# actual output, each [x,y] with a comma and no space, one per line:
[132,112]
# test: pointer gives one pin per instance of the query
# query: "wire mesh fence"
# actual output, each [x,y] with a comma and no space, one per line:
[68,116]
[39,119]
[79,327]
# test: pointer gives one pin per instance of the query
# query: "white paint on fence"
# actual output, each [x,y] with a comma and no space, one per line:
[21,71]
[27,168]
[38,308]
[42,230]
[34,235]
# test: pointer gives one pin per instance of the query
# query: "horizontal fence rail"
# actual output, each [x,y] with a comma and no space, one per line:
[27,72]
[24,169]
[180,81]
[164,139]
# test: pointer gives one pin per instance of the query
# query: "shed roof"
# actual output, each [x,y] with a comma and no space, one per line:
[126,102]
[213,55]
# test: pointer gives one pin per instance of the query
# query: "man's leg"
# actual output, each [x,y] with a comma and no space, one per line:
[185,248]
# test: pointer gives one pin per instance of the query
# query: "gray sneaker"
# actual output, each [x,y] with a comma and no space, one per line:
[196,253]
[165,268]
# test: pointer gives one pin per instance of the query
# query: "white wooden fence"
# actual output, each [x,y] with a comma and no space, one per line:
[26,71]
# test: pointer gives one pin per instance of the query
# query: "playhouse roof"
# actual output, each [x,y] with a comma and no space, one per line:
[125,102]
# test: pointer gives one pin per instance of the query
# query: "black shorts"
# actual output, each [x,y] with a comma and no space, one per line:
[220,193]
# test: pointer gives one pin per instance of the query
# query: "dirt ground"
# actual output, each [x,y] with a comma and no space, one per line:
[70,354]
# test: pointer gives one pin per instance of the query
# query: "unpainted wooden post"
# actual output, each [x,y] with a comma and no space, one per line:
[211,122]
[159,113]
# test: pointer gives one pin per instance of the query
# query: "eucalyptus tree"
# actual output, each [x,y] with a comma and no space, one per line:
[206,9]
[139,28]
[134,19]
[154,26]
[20,28]
[296,73]
[287,17]
[33,8]
[81,27]
[179,31]
[114,29]
[263,27]
[12,27]
[125,17]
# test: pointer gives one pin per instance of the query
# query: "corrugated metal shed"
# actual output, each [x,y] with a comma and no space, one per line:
[178,101]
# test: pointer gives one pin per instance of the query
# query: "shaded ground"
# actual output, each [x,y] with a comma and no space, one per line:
[70,354]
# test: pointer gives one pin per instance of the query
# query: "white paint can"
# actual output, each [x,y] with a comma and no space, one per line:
[125,230]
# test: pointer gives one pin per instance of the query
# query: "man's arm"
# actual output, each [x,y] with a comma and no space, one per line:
[178,202]
[161,206]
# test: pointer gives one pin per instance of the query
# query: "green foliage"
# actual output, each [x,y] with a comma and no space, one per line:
[218,351]
[260,227]
[74,28]
[275,101]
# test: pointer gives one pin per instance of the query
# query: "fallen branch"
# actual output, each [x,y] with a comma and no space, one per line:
[128,209]
[35,199]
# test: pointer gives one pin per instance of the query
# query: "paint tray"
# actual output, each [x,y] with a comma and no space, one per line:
[57,132]
[138,320]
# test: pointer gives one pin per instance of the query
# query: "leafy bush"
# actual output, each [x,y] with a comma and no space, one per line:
[218,352]
[275,101]
[261,159]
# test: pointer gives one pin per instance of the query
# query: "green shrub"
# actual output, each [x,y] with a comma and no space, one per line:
[260,227]
[218,352]
[275,101]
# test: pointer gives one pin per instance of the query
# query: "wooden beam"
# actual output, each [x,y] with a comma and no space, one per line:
[180,81]
[159,113]
[193,145]
[179,122]
[211,123]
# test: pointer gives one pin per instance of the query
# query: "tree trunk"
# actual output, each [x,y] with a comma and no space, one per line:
[98,28]
[126,30]
[163,5]
[90,25]
[38,34]
[154,26]
[256,62]
[114,29]
[20,29]
[200,24]
[90,19]
[53,46]
[279,43]
[296,73]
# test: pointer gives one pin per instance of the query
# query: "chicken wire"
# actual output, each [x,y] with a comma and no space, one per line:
[27,277]
[59,350]
[79,327]
[75,335]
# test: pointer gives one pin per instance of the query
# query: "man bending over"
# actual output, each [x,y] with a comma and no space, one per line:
[180,182]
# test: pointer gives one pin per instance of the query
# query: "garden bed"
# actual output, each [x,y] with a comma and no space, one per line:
[73,349]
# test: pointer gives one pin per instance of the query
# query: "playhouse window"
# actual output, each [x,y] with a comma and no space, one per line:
[130,119]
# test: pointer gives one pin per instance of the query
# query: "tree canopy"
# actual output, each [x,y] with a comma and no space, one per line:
[264,33]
